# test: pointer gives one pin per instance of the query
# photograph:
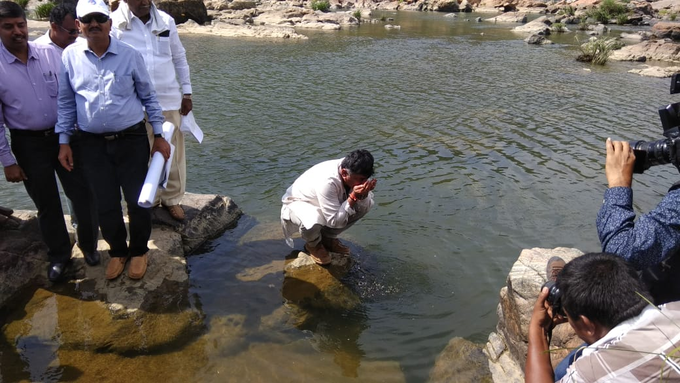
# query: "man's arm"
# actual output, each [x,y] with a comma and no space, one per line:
[179,60]
[655,235]
[336,213]
[13,172]
[147,95]
[538,368]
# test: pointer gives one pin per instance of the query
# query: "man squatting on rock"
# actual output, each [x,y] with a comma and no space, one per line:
[629,339]
[154,34]
[326,200]
[104,88]
[28,108]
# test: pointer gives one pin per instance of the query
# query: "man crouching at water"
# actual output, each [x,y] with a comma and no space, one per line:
[326,200]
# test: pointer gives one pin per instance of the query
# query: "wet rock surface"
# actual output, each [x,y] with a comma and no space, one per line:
[122,316]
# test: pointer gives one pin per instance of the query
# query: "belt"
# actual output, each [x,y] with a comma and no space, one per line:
[116,135]
[33,133]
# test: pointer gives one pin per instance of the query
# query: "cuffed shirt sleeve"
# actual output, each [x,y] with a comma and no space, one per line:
[66,102]
[179,59]
[6,157]
[147,94]
[335,213]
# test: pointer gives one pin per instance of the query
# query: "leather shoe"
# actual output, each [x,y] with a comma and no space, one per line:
[176,212]
[92,258]
[56,271]
[137,267]
[115,267]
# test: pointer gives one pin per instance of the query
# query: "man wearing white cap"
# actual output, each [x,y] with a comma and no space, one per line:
[104,87]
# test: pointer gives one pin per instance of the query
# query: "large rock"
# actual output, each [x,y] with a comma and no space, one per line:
[655,71]
[660,50]
[309,285]
[509,17]
[183,10]
[540,26]
[667,30]
[461,361]
[507,347]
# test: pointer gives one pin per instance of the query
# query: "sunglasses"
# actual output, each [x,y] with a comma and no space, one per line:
[71,32]
[98,17]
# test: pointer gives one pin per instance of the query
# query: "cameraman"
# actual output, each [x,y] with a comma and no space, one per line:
[653,239]
[606,305]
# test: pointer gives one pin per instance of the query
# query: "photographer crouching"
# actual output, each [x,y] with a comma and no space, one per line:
[627,339]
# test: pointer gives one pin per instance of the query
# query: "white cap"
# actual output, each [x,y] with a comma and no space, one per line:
[85,7]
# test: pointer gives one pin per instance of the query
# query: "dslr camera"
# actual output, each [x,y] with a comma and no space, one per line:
[554,298]
[667,150]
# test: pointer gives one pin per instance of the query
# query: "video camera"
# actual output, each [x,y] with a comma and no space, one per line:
[648,154]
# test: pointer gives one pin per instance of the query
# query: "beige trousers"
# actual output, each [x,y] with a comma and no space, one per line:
[173,194]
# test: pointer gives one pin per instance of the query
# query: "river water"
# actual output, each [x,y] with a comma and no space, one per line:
[484,146]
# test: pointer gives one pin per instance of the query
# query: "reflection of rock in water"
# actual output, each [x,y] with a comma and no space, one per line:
[327,307]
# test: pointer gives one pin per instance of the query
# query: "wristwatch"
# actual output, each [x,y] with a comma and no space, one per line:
[187,96]
[158,135]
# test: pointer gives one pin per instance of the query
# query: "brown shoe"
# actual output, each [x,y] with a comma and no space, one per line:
[553,268]
[137,267]
[176,212]
[335,246]
[115,267]
[318,254]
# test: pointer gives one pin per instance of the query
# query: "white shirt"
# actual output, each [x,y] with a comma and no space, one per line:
[163,53]
[46,40]
[318,196]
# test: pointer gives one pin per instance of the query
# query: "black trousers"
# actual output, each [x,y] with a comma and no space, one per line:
[112,164]
[37,157]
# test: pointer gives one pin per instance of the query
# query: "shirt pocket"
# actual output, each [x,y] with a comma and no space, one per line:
[121,85]
[163,45]
[51,85]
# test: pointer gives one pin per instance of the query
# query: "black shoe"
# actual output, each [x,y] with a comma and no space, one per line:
[92,258]
[56,271]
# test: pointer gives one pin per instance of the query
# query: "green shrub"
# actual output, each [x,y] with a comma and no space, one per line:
[558,27]
[22,3]
[569,10]
[321,5]
[357,14]
[42,11]
[622,19]
[583,24]
[597,51]
[673,16]
[608,9]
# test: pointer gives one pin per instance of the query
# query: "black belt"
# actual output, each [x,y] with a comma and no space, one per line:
[116,135]
[33,133]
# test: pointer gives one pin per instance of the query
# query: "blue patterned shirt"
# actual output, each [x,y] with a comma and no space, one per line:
[646,242]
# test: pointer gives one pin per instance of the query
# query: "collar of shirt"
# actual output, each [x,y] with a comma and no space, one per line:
[113,47]
[10,58]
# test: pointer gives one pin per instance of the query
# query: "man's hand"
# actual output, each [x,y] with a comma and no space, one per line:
[14,173]
[66,156]
[619,164]
[187,106]
[361,190]
[538,367]
[161,146]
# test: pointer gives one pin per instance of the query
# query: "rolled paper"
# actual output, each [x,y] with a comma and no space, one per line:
[158,170]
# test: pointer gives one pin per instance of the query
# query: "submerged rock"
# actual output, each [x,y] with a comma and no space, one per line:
[309,285]
[461,361]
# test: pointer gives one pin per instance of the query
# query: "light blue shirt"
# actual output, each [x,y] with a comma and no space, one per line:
[104,94]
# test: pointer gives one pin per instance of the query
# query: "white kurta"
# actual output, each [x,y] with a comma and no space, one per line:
[318,196]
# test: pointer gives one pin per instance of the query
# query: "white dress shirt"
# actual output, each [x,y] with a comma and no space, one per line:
[318,196]
[163,53]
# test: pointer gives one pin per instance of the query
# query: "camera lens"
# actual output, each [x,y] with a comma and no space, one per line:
[648,154]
